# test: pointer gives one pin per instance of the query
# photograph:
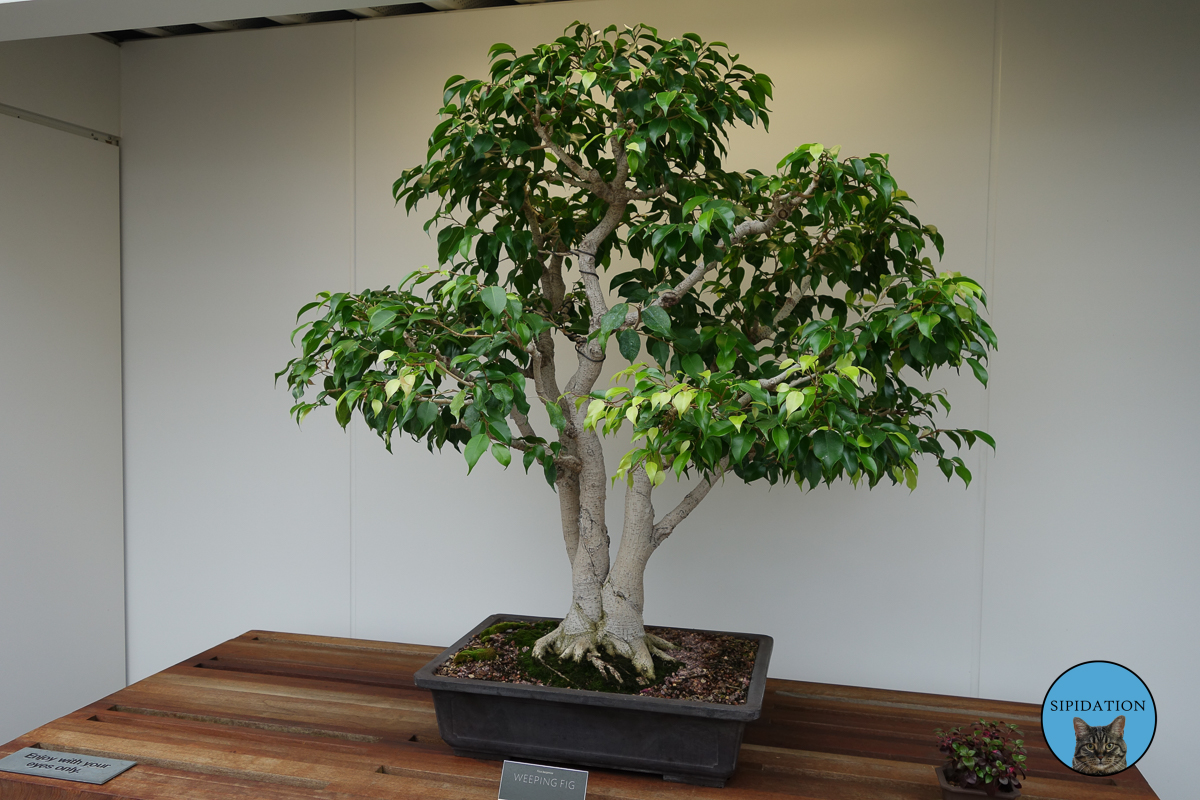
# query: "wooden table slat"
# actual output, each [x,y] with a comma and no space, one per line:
[282,716]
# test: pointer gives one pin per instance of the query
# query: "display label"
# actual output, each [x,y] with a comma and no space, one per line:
[64,766]
[520,781]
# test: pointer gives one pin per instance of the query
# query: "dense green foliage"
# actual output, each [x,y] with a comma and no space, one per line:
[775,323]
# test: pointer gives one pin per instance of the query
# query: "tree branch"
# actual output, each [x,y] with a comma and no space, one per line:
[591,357]
[666,526]
[784,206]
[590,176]
[523,424]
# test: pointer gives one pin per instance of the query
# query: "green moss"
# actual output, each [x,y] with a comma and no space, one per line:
[499,627]
[554,671]
[478,654]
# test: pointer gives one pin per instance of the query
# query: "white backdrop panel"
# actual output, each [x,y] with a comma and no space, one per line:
[238,206]
[1092,510]
[72,78]
[61,572]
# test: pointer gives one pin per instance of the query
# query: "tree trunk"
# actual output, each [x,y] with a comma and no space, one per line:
[576,637]
[606,609]
[622,595]
[606,614]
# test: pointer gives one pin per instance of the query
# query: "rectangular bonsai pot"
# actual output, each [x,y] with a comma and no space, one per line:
[682,740]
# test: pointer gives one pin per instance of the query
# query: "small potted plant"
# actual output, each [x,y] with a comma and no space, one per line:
[981,760]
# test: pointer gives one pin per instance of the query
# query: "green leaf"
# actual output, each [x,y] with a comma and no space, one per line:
[426,414]
[342,412]
[481,145]
[660,351]
[792,401]
[557,419]
[664,100]
[740,445]
[987,438]
[381,318]
[630,343]
[901,324]
[613,319]
[683,401]
[656,319]
[494,298]
[456,405]
[828,446]
[475,448]
[926,323]
[693,365]
[656,128]
[980,372]
[501,454]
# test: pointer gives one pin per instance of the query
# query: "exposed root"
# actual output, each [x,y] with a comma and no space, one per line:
[640,649]
[575,646]
[591,645]
[659,647]
[599,663]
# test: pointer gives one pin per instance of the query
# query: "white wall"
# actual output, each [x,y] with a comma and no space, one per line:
[257,169]
[238,206]
[62,638]
[1092,512]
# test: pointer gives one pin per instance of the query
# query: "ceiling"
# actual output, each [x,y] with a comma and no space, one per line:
[124,20]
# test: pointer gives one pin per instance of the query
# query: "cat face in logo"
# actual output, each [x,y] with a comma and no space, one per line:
[1099,750]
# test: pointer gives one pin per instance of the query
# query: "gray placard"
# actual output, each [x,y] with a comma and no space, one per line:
[520,781]
[64,766]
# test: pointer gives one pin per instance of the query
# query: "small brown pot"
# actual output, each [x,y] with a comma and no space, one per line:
[952,792]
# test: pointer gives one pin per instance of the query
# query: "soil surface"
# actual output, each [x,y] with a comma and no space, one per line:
[712,668]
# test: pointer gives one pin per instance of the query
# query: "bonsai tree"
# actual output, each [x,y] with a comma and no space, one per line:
[777,326]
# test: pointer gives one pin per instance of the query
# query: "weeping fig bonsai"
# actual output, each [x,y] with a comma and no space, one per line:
[776,325]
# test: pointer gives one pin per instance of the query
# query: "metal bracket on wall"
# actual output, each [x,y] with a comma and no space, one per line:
[58,124]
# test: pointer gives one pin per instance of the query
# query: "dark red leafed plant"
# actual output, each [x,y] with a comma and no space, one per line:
[982,756]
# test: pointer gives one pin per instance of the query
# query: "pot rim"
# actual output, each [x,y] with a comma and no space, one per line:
[750,710]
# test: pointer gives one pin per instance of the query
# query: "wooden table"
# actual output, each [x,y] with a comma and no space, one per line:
[277,716]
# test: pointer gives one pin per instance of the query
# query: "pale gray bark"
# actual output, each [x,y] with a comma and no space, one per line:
[666,526]
[623,594]
[568,505]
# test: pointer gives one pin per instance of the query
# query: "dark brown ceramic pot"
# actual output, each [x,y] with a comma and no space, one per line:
[952,792]
[683,740]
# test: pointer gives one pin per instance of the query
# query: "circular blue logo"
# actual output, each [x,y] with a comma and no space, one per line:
[1098,718]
